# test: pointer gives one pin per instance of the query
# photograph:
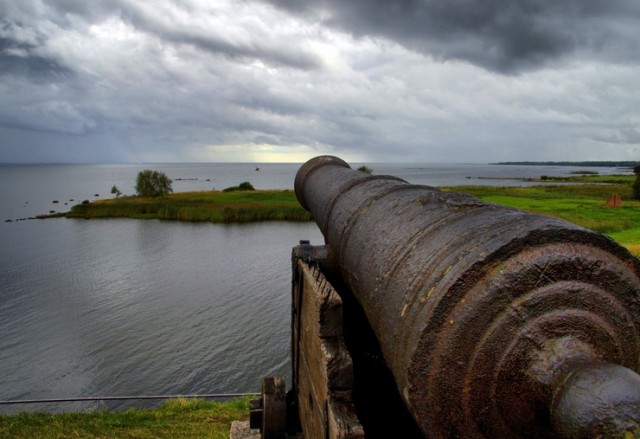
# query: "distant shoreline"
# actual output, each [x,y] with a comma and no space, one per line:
[600,164]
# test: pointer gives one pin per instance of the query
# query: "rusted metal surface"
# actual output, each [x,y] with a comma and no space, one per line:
[481,311]
[598,400]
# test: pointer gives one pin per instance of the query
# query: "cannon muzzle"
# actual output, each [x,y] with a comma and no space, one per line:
[494,323]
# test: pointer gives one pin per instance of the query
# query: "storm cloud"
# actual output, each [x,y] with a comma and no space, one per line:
[278,80]
[500,35]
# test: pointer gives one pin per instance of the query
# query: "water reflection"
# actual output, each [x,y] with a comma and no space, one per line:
[146,307]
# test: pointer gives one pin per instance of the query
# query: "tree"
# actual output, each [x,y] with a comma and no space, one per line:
[636,184]
[152,184]
[115,191]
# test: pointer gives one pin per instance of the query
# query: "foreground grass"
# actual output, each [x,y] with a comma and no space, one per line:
[582,204]
[211,206]
[179,418]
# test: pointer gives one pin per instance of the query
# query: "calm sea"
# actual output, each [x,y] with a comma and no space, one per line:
[133,307]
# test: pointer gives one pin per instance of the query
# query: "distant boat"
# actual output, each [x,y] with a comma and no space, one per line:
[258,169]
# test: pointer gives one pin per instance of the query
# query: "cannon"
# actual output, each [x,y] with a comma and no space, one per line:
[492,322]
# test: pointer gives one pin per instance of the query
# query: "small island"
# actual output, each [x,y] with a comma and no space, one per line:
[204,206]
[581,200]
[155,200]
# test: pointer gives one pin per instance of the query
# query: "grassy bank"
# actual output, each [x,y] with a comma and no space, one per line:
[178,418]
[582,204]
[211,206]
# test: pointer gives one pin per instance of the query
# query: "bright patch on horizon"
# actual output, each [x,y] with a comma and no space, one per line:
[263,153]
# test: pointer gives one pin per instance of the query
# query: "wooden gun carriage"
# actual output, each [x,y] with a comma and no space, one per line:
[431,314]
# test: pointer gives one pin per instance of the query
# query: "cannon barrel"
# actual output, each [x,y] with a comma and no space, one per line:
[493,322]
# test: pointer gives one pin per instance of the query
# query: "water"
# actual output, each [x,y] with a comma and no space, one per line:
[131,307]
[30,190]
[122,307]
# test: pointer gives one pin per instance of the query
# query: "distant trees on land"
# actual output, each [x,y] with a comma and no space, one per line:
[611,164]
[115,191]
[153,184]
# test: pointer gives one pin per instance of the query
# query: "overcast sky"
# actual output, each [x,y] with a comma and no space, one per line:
[285,80]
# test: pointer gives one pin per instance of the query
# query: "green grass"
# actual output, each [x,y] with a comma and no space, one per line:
[211,206]
[582,204]
[179,418]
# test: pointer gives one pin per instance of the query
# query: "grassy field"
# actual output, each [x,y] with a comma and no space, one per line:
[582,204]
[211,206]
[179,418]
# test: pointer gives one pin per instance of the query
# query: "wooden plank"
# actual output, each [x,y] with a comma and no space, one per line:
[323,368]
[343,421]
[311,407]
[325,301]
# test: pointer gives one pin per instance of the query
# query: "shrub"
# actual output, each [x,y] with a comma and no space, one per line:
[152,184]
[365,169]
[244,186]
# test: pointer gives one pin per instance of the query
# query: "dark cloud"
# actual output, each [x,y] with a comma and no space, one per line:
[190,80]
[17,60]
[499,35]
[18,56]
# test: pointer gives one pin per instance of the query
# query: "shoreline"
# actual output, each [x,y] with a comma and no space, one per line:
[624,164]
[579,199]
